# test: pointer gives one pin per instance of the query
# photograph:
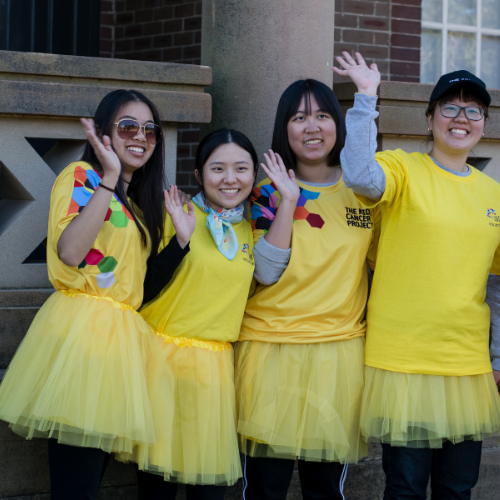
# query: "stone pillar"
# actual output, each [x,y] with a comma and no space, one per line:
[256,48]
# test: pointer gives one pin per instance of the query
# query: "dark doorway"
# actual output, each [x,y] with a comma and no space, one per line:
[52,26]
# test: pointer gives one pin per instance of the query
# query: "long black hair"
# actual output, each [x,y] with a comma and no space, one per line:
[146,186]
[215,139]
[289,105]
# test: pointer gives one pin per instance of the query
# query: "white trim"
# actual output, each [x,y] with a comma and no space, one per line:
[245,480]
[342,480]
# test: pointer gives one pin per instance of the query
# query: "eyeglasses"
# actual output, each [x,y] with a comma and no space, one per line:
[449,110]
[128,129]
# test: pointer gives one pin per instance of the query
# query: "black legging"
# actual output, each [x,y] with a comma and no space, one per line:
[154,487]
[75,472]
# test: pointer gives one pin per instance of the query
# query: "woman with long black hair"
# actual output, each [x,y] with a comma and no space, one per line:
[78,377]
[299,359]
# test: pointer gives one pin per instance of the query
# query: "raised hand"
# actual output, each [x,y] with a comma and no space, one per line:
[184,223]
[102,149]
[284,181]
[367,79]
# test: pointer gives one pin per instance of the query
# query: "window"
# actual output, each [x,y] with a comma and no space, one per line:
[460,34]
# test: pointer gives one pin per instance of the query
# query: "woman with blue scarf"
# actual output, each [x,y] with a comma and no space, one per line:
[198,314]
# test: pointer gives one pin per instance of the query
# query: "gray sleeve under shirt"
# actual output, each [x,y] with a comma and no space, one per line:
[270,262]
[360,171]
[493,301]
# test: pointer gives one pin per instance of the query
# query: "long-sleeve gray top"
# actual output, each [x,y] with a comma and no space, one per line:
[365,176]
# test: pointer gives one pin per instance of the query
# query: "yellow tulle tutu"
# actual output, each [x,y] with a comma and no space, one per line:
[191,387]
[408,409]
[79,376]
[300,400]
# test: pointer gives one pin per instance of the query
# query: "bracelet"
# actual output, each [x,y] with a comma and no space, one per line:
[106,187]
[369,95]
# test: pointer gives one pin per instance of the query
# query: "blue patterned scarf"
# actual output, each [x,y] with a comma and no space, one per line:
[220,225]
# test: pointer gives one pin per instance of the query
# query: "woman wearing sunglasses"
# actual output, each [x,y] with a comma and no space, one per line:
[430,396]
[78,377]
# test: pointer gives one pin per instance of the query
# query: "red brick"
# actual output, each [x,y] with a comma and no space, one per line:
[105,45]
[357,7]
[119,5]
[381,38]
[144,16]
[154,28]
[173,54]
[410,41]
[348,47]
[123,18]
[174,2]
[183,151]
[192,23]
[417,3]
[182,179]
[186,10]
[398,54]
[382,9]
[134,4]
[163,13]
[346,21]
[143,43]
[133,31]
[197,37]
[152,3]
[107,19]
[374,23]
[406,69]
[189,136]
[357,36]
[123,45]
[151,55]
[337,35]
[406,12]
[187,165]
[119,32]
[383,67]
[407,27]
[194,51]
[374,52]
[162,41]
[198,8]
[106,32]
[134,56]
[107,55]
[183,38]
[106,5]
[172,26]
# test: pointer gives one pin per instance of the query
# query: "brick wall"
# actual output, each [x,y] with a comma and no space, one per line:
[384,31]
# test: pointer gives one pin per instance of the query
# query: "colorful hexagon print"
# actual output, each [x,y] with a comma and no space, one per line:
[105,280]
[107,265]
[94,257]
[119,219]
[300,213]
[315,220]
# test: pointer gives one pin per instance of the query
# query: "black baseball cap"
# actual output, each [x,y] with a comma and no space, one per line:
[461,78]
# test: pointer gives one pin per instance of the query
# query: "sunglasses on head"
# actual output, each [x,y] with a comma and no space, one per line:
[128,129]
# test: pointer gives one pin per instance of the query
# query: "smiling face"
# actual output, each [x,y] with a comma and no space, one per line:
[228,176]
[135,151]
[455,136]
[311,136]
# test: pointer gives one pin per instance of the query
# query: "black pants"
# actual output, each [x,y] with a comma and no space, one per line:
[454,471]
[75,472]
[154,487]
[269,479]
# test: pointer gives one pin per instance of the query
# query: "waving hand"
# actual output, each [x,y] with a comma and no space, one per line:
[184,223]
[367,79]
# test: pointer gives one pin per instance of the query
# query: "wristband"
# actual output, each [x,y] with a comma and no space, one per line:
[369,95]
[106,187]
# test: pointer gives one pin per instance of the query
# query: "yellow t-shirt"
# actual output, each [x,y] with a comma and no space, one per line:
[440,238]
[321,295]
[206,297]
[116,264]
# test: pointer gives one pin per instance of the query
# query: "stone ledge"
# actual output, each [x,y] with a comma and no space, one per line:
[24,298]
[35,65]
[64,100]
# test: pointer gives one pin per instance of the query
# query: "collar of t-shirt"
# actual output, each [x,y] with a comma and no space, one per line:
[454,172]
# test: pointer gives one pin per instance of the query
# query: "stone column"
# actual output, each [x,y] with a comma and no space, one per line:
[256,48]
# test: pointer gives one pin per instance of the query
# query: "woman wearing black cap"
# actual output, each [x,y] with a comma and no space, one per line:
[430,396]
